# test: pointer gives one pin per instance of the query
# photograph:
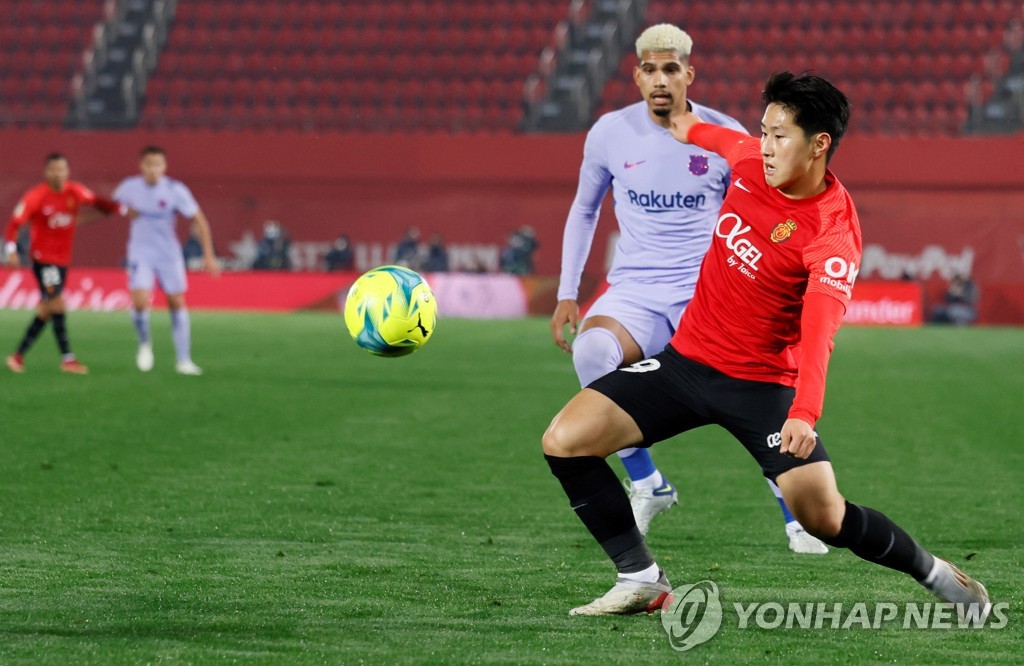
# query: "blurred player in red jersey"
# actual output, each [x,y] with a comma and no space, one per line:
[52,210]
[750,354]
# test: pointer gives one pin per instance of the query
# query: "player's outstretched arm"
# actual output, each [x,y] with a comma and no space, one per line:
[680,124]
[100,204]
[821,318]
[566,312]
[202,227]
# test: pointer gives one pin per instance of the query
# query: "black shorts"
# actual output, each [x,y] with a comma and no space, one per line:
[51,279]
[668,394]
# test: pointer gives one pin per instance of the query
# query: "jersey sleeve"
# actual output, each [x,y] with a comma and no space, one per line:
[819,322]
[729,143]
[184,202]
[22,211]
[90,198]
[82,193]
[832,261]
[581,223]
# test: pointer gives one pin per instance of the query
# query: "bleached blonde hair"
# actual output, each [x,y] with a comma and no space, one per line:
[664,37]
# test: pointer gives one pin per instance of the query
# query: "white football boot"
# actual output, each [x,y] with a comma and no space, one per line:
[144,357]
[800,541]
[188,368]
[646,503]
[628,597]
[952,585]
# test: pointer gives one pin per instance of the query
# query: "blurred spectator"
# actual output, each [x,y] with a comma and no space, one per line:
[517,255]
[960,303]
[436,260]
[474,265]
[192,251]
[530,243]
[339,258]
[23,243]
[407,250]
[272,253]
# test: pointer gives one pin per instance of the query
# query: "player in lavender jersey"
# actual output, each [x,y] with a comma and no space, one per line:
[667,196]
[154,253]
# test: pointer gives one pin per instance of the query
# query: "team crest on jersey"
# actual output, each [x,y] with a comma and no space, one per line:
[699,165]
[161,204]
[782,231]
[71,202]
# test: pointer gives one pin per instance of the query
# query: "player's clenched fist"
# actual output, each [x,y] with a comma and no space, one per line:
[798,438]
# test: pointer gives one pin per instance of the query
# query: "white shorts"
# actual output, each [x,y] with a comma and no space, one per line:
[649,312]
[142,274]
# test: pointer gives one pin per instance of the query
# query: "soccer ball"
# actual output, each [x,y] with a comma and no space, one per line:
[390,311]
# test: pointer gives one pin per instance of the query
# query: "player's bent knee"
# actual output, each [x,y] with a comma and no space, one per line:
[567,437]
[557,441]
[551,444]
[590,425]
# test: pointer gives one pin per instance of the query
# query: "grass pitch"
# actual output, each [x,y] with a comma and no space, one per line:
[304,502]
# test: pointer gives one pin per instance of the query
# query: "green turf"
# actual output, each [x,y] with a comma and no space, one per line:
[304,502]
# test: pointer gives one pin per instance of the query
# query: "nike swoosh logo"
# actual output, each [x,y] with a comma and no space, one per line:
[739,184]
[627,165]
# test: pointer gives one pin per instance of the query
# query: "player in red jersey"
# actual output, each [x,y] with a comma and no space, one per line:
[750,355]
[51,208]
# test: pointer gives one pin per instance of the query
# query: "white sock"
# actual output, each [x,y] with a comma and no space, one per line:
[929,580]
[652,482]
[649,575]
[793,526]
[943,583]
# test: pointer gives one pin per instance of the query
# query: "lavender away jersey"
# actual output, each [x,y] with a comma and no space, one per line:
[667,195]
[152,236]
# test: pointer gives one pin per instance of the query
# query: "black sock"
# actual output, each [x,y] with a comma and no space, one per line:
[60,330]
[870,535]
[33,331]
[597,497]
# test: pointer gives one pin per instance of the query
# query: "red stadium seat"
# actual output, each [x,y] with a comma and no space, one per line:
[462,64]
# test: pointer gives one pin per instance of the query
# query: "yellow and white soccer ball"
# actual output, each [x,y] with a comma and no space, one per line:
[390,311]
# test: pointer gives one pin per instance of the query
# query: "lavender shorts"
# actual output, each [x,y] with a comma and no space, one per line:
[650,312]
[142,274]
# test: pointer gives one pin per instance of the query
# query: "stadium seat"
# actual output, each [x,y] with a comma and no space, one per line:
[246,40]
[322,65]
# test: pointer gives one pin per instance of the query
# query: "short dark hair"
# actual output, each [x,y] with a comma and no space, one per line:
[817,105]
[54,156]
[152,150]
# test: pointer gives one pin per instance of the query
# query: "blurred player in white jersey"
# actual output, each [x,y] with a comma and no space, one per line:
[154,253]
[667,196]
